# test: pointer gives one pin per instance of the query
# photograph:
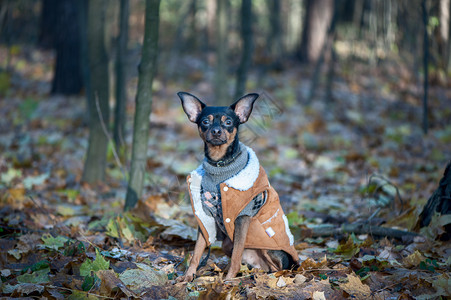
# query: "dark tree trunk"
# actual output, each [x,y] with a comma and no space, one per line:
[147,71]
[67,78]
[275,44]
[425,66]
[48,23]
[439,202]
[221,53]
[327,48]
[98,94]
[121,82]
[316,23]
[246,58]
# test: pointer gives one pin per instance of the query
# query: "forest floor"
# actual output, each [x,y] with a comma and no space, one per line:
[359,158]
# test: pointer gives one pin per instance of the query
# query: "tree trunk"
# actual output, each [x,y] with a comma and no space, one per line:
[121,76]
[425,66]
[246,58]
[316,23]
[48,25]
[67,78]
[444,32]
[327,47]
[439,202]
[210,7]
[98,94]
[275,43]
[221,53]
[147,70]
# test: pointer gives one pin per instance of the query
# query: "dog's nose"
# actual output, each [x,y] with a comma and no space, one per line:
[216,131]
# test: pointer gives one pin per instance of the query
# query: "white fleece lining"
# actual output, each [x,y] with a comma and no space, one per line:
[287,230]
[207,221]
[245,179]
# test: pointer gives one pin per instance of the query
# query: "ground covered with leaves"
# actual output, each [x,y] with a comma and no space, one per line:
[353,174]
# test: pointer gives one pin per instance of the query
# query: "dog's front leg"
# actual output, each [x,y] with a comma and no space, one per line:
[199,248]
[239,238]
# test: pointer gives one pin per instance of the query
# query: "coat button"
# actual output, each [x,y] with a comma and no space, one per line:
[227,220]
[225,189]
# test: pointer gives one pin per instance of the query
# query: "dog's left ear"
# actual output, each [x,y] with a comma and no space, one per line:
[243,107]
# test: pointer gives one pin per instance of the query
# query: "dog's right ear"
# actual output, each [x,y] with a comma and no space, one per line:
[191,105]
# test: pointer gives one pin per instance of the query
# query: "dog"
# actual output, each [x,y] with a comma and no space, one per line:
[231,196]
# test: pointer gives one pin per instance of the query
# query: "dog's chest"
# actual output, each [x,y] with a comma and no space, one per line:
[212,205]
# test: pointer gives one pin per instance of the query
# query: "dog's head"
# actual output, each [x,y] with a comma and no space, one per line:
[217,125]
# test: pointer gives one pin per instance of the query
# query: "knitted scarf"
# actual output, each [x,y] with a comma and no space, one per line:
[216,175]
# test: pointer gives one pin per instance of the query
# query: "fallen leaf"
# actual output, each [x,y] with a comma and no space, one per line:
[281,282]
[300,279]
[110,283]
[318,296]
[413,259]
[356,288]
[28,288]
[38,277]
[53,243]
[143,277]
[80,295]
[98,264]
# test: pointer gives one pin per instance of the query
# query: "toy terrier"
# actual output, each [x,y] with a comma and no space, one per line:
[230,194]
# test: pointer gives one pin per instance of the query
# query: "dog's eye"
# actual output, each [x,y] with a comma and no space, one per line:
[228,122]
[205,122]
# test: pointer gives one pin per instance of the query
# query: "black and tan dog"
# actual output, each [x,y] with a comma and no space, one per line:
[231,196]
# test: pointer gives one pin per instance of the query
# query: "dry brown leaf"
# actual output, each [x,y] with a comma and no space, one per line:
[356,288]
[301,246]
[310,264]
[413,259]
[110,283]
[203,280]
[264,280]
[216,268]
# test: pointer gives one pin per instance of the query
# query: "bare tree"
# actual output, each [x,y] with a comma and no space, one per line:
[425,66]
[438,203]
[121,83]
[221,52]
[316,23]
[444,32]
[246,57]
[147,71]
[275,43]
[98,93]
[67,77]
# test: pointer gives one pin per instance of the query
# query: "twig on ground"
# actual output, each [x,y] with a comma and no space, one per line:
[72,290]
[360,228]
[110,140]
[380,177]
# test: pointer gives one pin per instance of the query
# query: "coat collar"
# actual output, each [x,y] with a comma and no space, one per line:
[245,179]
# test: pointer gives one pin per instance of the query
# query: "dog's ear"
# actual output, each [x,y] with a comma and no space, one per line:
[243,107]
[191,105]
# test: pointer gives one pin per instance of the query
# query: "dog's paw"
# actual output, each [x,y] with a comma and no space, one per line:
[188,277]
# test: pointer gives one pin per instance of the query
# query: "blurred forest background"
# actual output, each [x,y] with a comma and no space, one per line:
[353,127]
